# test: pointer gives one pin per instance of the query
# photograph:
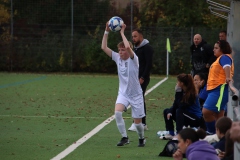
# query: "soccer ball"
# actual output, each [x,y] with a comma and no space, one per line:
[115,24]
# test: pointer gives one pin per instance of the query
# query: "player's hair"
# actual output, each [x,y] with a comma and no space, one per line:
[190,93]
[223,124]
[121,44]
[138,30]
[224,46]
[191,134]
[223,31]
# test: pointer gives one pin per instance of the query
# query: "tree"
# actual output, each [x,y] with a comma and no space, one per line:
[177,13]
[4,21]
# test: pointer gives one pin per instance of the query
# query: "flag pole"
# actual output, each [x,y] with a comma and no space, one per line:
[168,48]
[167,63]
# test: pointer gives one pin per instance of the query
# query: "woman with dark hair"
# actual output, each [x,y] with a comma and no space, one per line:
[220,74]
[186,109]
[194,149]
[200,82]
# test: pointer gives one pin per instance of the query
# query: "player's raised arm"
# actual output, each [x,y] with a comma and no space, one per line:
[126,43]
[104,46]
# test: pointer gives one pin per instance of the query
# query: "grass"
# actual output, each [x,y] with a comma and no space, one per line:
[43,114]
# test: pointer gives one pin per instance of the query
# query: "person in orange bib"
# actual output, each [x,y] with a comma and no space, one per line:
[220,74]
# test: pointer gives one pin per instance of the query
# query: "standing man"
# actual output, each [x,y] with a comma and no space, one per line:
[145,56]
[223,35]
[202,55]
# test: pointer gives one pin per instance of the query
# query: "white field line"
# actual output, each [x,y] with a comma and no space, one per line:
[95,130]
[57,117]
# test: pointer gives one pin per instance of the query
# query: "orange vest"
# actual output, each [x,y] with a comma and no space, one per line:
[217,75]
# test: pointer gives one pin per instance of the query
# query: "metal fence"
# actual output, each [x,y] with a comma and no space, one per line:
[63,35]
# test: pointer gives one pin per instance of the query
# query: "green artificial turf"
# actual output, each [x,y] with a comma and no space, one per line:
[42,114]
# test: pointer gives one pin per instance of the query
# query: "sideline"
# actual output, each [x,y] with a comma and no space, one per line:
[23,82]
[96,129]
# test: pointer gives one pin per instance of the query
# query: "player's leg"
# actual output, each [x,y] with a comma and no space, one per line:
[121,103]
[213,107]
[137,114]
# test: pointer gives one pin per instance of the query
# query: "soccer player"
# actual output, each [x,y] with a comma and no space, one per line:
[130,92]
[220,74]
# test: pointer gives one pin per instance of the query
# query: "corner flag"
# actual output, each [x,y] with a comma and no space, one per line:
[168,46]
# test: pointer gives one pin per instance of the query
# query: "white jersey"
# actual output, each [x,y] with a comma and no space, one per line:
[129,84]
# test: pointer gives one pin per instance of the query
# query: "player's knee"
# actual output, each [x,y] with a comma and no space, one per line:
[118,115]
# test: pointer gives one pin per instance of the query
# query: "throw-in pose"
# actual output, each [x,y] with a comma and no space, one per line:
[130,92]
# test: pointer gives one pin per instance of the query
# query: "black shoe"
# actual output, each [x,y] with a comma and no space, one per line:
[123,141]
[142,142]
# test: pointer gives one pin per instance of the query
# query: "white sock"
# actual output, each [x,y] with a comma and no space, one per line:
[140,130]
[120,123]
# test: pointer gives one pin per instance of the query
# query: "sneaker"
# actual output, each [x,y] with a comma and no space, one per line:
[166,137]
[162,133]
[145,127]
[123,141]
[142,142]
[132,128]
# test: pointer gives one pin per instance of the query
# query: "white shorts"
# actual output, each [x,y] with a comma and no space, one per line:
[137,105]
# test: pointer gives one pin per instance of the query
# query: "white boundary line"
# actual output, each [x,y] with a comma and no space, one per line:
[60,117]
[95,130]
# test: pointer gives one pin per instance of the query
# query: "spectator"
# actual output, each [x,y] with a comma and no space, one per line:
[200,82]
[186,109]
[223,35]
[195,149]
[223,124]
[201,55]
[220,74]
[130,92]
[144,52]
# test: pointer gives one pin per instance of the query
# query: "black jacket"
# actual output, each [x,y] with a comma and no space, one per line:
[145,57]
[200,56]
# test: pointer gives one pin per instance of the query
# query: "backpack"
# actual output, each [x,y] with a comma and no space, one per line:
[169,149]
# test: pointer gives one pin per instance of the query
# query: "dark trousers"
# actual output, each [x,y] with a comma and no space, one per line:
[182,118]
[144,87]
[169,122]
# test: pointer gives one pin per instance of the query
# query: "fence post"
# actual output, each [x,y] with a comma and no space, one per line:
[234,113]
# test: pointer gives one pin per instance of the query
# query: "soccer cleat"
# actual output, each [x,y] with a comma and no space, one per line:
[142,142]
[123,141]
[132,128]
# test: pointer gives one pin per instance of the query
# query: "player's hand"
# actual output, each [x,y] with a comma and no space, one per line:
[141,80]
[221,154]
[169,115]
[178,155]
[228,80]
[107,28]
[123,27]
[207,65]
